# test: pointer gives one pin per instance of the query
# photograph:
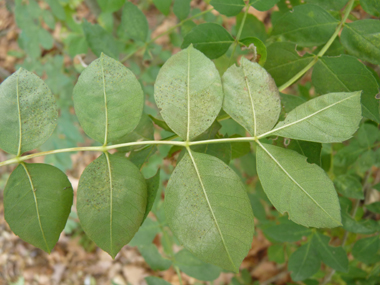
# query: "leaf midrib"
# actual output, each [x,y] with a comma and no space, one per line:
[210,208]
[36,203]
[295,182]
[105,102]
[111,199]
[188,94]
[19,115]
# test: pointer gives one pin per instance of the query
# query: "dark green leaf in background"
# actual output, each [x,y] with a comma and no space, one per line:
[263,5]
[111,203]
[208,210]
[228,7]
[181,8]
[329,4]
[153,257]
[99,40]
[109,6]
[107,91]
[283,61]
[134,23]
[307,25]
[286,232]
[290,102]
[362,39]
[367,250]
[211,39]
[28,112]
[311,150]
[163,6]
[347,74]
[162,124]
[371,7]
[253,27]
[304,262]
[152,280]
[153,184]
[196,268]
[349,186]
[37,203]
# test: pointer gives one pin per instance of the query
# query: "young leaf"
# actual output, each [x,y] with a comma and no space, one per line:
[257,47]
[153,184]
[307,25]
[371,7]
[196,268]
[211,39]
[37,203]
[134,23]
[294,186]
[346,74]
[188,91]
[283,61]
[99,40]
[111,203]
[28,112]
[251,97]
[103,86]
[329,118]
[361,39]
[304,262]
[228,7]
[263,5]
[208,210]
[332,256]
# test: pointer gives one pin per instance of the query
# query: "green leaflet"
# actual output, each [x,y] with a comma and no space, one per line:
[349,186]
[286,232]
[328,4]
[196,268]
[151,280]
[109,6]
[111,202]
[367,250]
[253,27]
[257,47]
[103,86]
[163,6]
[329,118]
[307,25]
[134,23]
[304,262]
[211,39]
[28,112]
[347,74]
[153,257]
[153,184]
[188,91]
[37,203]
[228,8]
[263,5]
[283,61]
[208,210]
[181,8]
[100,41]
[294,186]
[362,39]
[251,97]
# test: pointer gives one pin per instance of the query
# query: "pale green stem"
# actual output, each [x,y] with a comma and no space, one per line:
[236,43]
[323,50]
[165,33]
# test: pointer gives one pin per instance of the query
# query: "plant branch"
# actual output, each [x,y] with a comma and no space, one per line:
[239,32]
[164,33]
[323,50]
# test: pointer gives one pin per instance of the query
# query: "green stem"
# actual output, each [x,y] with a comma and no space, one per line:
[165,33]
[323,50]
[236,43]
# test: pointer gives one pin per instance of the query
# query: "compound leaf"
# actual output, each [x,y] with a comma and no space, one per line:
[228,7]
[307,25]
[362,39]
[37,203]
[347,74]
[211,39]
[188,91]
[111,203]
[329,118]
[251,97]
[208,210]
[28,112]
[294,186]
[105,93]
